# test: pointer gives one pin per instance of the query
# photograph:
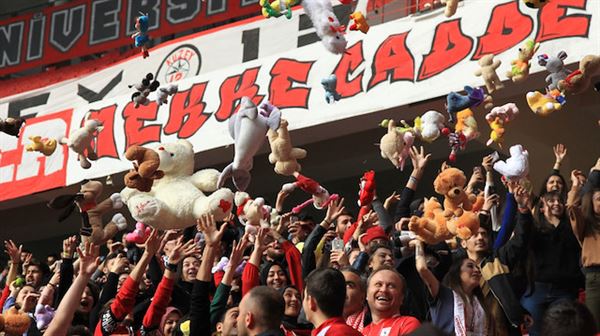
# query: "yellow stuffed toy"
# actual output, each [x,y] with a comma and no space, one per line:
[520,67]
[541,104]
[43,145]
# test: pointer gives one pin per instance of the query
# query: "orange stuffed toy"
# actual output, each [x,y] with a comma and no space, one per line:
[464,226]
[15,322]
[451,183]
[431,227]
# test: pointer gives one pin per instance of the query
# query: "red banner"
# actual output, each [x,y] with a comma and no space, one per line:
[84,27]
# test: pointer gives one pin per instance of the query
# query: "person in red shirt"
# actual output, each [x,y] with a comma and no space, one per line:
[324,293]
[385,293]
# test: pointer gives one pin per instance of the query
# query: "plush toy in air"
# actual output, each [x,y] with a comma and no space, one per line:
[143,89]
[451,183]
[487,71]
[456,102]
[140,37]
[283,154]
[145,168]
[556,67]
[466,129]
[519,70]
[327,25]
[329,83]
[542,104]
[15,322]
[45,146]
[366,192]
[535,4]
[252,213]
[178,198]
[451,6]
[428,127]
[277,8]
[516,166]
[163,93]
[395,144]
[11,126]
[320,196]
[248,128]
[431,227]
[80,141]
[360,22]
[579,80]
[497,119]
[139,235]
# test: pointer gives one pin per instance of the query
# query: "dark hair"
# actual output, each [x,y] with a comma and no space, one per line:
[264,272]
[541,223]
[363,282]
[563,192]
[328,287]
[568,318]
[224,312]
[592,225]
[268,306]
[373,248]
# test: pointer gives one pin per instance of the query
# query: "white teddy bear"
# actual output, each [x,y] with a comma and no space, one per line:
[430,125]
[516,166]
[177,199]
[81,139]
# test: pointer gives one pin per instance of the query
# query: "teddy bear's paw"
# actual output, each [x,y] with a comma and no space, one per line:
[145,209]
[117,200]
[85,164]
[463,233]
[120,221]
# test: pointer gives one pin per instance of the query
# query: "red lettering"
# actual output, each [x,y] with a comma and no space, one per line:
[450,46]
[284,74]
[507,27]
[392,59]
[234,88]
[136,132]
[187,115]
[105,142]
[555,23]
[346,67]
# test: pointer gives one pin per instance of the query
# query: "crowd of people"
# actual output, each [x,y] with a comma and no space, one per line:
[533,267]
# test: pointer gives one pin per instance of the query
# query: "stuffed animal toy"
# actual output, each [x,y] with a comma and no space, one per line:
[221,266]
[360,22]
[451,183]
[143,89]
[43,316]
[467,124]
[431,226]
[329,84]
[163,93]
[252,213]
[542,104]
[45,146]
[145,168]
[327,25]
[15,322]
[283,154]
[11,126]
[516,166]
[456,102]
[464,226]
[320,196]
[177,199]
[141,38]
[277,8]
[556,67]
[487,71]
[497,119]
[248,128]
[535,4]
[428,127]
[80,141]
[395,144]
[519,70]
[488,102]
[579,80]
[139,235]
[451,6]
[366,193]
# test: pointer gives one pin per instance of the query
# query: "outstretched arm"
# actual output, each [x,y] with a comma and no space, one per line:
[433,284]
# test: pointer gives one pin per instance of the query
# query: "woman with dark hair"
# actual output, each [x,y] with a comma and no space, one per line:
[457,305]
[293,303]
[583,206]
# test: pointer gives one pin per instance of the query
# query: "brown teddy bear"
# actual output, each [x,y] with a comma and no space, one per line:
[15,322]
[579,80]
[146,163]
[451,184]
[464,226]
[431,227]
[98,235]
[11,126]
[488,73]
[283,154]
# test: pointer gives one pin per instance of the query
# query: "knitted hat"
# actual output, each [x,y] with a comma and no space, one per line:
[374,233]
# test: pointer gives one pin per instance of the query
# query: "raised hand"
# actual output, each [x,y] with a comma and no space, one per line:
[560,151]
[13,251]
[237,252]
[490,201]
[284,223]
[153,243]
[29,302]
[260,242]
[577,179]
[182,250]
[419,158]
[523,197]
[88,259]
[69,246]
[391,200]
[487,163]
[119,265]
[334,210]
[339,258]
[208,226]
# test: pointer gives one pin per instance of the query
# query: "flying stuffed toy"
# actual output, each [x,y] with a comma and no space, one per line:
[360,22]
[543,104]
[81,142]
[326,24]
[395,144]
[466,129]
[516,166]
[283,154]
[320,196]
[141,38]
[451,6]
[428,127]
[366,193]
[431,227]
[248,128]
[277,8]
[145,168]
[579,80]
[329,84]
[519,70]
[556,67]
[535,4]
[143,89]
[497,119]
[252,213]
[45,146]
[11,126]
[139,235]
[163,94]
[456,102]
[487,71]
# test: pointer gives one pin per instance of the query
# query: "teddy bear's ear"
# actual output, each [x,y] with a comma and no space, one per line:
[185,143]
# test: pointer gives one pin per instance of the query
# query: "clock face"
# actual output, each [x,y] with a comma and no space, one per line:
[182,62]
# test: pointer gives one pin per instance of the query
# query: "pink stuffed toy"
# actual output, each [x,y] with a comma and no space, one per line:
[43,316]
[224,262]
[320,196]
[139,235]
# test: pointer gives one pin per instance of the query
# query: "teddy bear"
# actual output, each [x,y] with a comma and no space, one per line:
[395,144]
[98,234]
[579,80]
[451,183]
[320,196]
[542,104]
[487,71]
[329,83]
[248,127]
[519,70]
[431,226]
[80,141]
[283,154]
[145,171]
[497,119]
[178,198]
[464,226]
[252,213]
[15,322]
[428,127]
[45,146]
[360,22]
[163,94]
[451,6]
[556,67]
[11,126]
[516,166]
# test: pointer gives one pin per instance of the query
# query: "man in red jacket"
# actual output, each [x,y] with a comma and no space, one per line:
[324,295]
